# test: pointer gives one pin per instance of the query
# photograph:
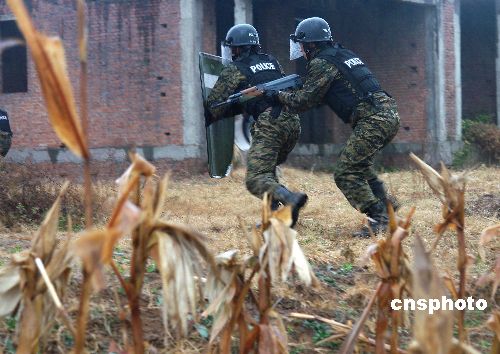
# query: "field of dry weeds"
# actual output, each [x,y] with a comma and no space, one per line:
[217,208]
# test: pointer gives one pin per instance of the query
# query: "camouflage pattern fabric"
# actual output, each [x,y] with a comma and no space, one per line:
[374,126]
[230,81]
[272,138]
[5,142]
[354,169]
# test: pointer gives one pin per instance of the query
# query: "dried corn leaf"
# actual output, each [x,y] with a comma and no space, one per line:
[271,341]
[10,289]
[160,197]
[127,218]
[179,287]
[496,281]
[487,235]
[433,178]
[48,55]
[90,248]
[142,166]
[433,333]
[282,251]
[493,323]
[180,269]
[43,244]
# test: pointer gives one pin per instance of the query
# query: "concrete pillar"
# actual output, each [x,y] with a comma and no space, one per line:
[243,11]
[435,149]
[191,26]
[458,71]
[497,3]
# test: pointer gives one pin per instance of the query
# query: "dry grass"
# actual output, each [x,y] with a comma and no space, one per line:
[212,207]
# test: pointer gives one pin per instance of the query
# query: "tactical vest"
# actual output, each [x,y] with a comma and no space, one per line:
[4,122]
[258,68]
[340,97]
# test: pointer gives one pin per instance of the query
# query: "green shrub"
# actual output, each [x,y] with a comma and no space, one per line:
[486,137]
[481,138]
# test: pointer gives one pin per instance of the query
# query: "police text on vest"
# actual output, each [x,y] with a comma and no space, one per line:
[262,66]
[353,62]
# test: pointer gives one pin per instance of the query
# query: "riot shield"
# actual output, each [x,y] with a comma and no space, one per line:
[220,134]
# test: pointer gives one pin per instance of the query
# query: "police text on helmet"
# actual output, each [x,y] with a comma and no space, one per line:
[262,66]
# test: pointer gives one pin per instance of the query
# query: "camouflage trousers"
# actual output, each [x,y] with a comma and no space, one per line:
[5,142]
[353,172]
[272,140]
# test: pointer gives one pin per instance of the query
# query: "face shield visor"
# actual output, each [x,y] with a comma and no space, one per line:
[226,53]
[295,48]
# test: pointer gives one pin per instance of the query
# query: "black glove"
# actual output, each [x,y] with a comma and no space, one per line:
[271,93]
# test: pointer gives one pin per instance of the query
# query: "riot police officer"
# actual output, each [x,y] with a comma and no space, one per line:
[274,132]
[339,78]
[5,133]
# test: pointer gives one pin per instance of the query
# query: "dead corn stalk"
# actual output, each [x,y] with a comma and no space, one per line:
[450,190]
[275,253]
[35,283]
[392,266]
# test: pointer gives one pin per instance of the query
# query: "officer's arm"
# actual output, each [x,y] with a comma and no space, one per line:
[229,82]
[317,82]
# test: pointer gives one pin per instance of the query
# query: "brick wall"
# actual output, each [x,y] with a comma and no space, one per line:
[134,73]
[478,22]
[389,36]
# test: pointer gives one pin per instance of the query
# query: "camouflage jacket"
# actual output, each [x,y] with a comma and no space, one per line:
[319,77]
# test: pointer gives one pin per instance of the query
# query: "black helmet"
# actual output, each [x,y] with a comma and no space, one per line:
[313,29]
[241,35]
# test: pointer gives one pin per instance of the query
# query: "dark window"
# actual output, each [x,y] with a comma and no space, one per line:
[14,60]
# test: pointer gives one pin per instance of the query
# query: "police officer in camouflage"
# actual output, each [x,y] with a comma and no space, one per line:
[274,132]
[339,78]
[5,133]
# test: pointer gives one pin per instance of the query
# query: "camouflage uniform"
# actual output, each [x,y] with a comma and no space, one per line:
[272,138]
[374,126]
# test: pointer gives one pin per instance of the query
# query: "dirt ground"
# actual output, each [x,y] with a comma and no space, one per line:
[213,207]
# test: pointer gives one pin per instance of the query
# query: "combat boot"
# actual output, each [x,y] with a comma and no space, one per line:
[377,221]
[380,192]
[296,200]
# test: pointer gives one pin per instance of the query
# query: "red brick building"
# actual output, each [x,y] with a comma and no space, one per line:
[144,80]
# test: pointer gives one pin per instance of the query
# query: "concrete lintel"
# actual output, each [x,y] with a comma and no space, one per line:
[243,11]
[57,155]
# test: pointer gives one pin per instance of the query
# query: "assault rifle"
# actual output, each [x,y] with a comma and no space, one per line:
[290,81]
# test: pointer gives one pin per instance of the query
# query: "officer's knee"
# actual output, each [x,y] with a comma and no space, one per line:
[250,183]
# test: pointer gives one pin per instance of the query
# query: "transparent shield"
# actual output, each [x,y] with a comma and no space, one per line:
[226,53]
[295,50]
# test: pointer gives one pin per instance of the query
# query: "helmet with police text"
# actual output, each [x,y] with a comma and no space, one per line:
[310,30]
[241,35]
[313,29]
